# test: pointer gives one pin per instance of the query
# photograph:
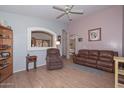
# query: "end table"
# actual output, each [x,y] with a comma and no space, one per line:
[30,59]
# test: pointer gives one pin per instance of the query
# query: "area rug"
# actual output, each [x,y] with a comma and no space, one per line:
[87,69]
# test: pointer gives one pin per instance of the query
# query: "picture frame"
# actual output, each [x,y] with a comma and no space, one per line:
[94,34]
[80,39]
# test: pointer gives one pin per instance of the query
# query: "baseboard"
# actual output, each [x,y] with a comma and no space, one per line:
[25,69]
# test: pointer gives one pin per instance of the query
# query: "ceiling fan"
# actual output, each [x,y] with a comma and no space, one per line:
[66,11]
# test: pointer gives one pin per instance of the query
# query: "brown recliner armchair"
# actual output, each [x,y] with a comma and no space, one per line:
[53,59]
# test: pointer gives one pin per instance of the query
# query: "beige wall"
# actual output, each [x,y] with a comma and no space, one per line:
[110,20]
[123,35]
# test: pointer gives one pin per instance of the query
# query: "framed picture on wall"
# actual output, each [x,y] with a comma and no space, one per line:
[94,34]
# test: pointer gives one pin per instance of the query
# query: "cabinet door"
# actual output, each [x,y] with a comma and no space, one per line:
[3,74]
[1,41]
[6,72]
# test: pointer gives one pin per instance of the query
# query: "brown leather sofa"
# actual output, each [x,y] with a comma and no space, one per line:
[101,59]
[53,59]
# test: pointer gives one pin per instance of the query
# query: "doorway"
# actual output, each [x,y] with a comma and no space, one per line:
[72,45]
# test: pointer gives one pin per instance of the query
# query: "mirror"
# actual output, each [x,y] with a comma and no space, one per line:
[41,38]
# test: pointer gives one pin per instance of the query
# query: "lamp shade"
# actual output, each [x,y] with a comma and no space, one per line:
[57,42]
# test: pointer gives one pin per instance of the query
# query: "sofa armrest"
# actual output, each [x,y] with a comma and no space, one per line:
[115,53]
[76,55]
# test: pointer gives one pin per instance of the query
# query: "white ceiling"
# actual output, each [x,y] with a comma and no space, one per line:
[48,13]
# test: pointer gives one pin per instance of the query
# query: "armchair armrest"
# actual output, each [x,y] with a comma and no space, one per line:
[47,59]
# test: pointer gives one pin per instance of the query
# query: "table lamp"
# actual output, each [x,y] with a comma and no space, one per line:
[57,44]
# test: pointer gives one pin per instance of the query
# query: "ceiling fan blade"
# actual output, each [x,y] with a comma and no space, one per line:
[57,8]
[69,6]
[60,15]
[76,12]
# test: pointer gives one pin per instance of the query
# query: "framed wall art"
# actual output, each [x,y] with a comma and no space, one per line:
[94,34]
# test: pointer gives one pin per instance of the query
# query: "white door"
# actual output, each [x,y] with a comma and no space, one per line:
[64,43]
[72,45]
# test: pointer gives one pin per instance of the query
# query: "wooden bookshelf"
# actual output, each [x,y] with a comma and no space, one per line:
[118,72]
[121,72]
[6,47]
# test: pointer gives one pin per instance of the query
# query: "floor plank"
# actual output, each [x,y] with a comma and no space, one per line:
[68,77]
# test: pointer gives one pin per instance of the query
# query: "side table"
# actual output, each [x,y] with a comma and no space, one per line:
[30,59]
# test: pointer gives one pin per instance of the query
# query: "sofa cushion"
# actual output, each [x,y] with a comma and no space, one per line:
[91,65]
[104,63]
[106,53]
[84,56]
[83,53]
[92,61]
[93,57]
[81,59]
[105,68]
[93,54]
[106,59]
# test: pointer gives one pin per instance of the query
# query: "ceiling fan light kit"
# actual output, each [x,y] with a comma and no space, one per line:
[67,11]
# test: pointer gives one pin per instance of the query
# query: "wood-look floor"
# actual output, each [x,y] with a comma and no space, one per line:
[67,77]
